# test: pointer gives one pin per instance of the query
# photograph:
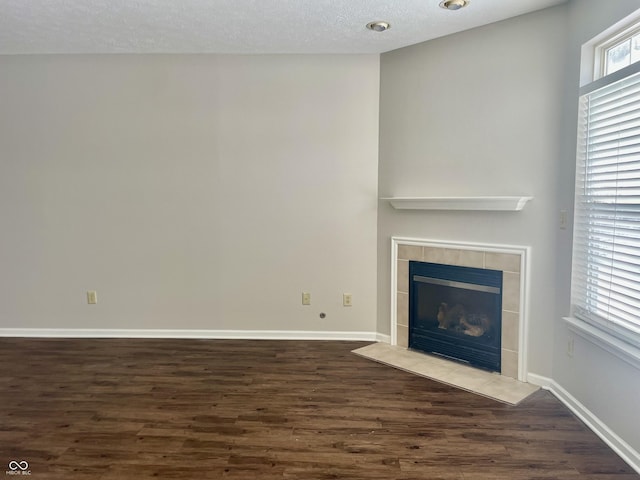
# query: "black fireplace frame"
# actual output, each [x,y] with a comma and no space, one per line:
[484,354]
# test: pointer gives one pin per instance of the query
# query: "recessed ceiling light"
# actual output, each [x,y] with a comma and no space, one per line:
[454,4]
[378,26]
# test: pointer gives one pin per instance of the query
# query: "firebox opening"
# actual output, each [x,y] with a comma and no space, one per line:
[456,312]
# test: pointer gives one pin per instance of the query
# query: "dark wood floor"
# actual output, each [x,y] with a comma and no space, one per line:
[190,409]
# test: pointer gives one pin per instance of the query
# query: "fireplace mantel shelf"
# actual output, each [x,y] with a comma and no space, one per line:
[508,204]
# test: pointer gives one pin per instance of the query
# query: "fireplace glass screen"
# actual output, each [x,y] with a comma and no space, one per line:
[456,312]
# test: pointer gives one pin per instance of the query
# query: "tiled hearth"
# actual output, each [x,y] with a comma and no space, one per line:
[481,382]
[512,261]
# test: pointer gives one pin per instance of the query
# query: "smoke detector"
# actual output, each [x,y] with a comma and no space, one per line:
[454,4]
[378,26]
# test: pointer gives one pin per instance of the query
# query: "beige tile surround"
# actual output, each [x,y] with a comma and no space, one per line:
[509,263]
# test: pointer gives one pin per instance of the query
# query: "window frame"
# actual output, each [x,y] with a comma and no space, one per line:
[617,339]
[602,48]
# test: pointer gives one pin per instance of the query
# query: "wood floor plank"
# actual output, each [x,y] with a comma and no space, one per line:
[232,409]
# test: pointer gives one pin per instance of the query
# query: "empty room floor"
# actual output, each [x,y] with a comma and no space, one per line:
[264,409]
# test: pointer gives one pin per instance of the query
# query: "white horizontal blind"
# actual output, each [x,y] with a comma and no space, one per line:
[606,252]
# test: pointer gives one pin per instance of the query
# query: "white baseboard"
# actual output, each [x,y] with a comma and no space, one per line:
[381,338]
[608,436]
[191,334]
[539,380]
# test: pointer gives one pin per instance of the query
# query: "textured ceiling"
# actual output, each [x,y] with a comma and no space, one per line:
[237,26]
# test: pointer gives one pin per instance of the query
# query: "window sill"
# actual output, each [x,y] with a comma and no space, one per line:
[607,342]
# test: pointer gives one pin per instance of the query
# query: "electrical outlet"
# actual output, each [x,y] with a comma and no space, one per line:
[92,297]
[570,347]
[564,216]
[347,300]
[306,298]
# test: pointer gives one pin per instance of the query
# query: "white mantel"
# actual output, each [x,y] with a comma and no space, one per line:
[499,203]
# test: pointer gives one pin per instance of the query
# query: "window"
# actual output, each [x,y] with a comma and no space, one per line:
[606,252]
[617,52]
[622,54]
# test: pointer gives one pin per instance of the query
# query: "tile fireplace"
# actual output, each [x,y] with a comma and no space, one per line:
[509,344]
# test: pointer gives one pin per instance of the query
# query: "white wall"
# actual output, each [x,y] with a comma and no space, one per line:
[192,192]
[477,113]
[603,383]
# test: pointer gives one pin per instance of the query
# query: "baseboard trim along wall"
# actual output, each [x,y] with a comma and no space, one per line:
[192,334]
[618,445]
